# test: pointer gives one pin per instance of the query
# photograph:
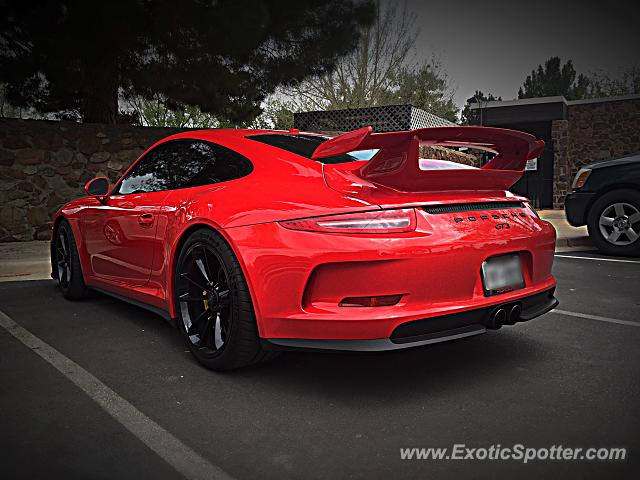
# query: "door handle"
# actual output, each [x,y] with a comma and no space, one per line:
[145,220]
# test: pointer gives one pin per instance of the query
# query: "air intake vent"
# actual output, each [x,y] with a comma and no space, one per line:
[471,207]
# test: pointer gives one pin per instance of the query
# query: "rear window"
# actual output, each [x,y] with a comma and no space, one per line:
[304,145]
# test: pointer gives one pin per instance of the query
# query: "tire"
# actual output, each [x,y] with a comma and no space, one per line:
[69,271]
[614,223]
[215,313]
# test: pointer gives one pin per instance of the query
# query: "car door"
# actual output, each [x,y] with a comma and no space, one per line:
[120,231]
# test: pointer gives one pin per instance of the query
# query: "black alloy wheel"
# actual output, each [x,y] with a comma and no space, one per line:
[63,258]
[214,307]
[66,263]
[205,299]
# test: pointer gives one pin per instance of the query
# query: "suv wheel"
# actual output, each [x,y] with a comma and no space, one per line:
[614,222]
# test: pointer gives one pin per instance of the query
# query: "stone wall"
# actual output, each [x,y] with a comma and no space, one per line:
[592,131]
[44,164]
[561,169]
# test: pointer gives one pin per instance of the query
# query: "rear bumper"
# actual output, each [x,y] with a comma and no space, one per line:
[431,330]
[576,207]
[375,345]
[298,279]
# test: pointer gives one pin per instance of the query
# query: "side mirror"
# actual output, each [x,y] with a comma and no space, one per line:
[98,187]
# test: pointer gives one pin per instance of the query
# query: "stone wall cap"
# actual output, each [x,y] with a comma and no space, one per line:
[521,101]
[619,98]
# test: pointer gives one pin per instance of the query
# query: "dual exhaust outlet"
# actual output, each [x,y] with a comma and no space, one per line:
[507,314]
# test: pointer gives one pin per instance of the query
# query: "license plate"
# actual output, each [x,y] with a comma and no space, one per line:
[502,274]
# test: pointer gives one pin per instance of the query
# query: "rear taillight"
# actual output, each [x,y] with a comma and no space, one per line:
[380,221]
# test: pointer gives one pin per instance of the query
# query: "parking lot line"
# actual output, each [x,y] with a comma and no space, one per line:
[169,448]
[619,260]
[597,317]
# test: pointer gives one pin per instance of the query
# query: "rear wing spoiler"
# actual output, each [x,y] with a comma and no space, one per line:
[397,163]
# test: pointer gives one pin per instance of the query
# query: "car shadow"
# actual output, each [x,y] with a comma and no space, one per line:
[495,356]
[424,370]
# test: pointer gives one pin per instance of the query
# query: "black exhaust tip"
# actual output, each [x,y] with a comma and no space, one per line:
[514,314]
[497,318]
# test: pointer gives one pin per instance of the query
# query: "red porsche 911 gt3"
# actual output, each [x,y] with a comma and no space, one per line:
[253,241]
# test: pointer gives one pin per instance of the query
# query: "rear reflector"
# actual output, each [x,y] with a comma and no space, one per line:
[379,301]
[378,221]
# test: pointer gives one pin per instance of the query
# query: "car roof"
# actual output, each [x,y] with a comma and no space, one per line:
[212,133]
[236,140]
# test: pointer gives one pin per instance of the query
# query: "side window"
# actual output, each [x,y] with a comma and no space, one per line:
[184,164]
[203,163]
[153,172]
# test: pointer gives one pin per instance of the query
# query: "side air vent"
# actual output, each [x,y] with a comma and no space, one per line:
[471,207]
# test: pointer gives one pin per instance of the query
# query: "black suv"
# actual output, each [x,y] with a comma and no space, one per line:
[606,198]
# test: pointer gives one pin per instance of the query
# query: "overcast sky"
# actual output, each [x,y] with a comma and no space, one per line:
[493,45]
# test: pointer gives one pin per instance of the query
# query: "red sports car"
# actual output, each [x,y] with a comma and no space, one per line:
[253,241]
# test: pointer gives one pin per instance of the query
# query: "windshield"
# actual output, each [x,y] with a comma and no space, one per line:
[305,145]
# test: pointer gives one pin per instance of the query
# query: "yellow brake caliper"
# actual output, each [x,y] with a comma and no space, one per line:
[206,302]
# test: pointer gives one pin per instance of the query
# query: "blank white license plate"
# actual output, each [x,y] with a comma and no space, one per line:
[502,274]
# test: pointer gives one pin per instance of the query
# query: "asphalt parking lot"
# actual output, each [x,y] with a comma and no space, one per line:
[570,379]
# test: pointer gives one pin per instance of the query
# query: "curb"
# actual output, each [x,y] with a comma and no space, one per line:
[574,242]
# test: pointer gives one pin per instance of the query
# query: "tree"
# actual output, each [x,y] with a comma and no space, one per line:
[555,79]
[426,87]
[365,76]
[468,117]
[6,109]
[381,71]
[278,114]
[160,112]
[76,57]
[603,84]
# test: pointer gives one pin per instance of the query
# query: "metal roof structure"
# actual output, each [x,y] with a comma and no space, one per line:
[388,118]
[543,100]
